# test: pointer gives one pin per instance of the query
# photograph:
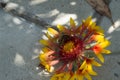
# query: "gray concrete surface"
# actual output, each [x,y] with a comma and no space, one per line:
[19,39]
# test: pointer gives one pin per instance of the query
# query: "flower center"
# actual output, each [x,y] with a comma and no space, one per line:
[69,46]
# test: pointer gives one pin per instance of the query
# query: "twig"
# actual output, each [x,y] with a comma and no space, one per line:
[16,11]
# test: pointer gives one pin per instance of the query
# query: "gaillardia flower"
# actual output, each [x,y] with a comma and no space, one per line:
[70,53]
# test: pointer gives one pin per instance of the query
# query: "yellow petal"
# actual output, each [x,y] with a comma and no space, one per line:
[92,73]
[73,77]
[60,74]
[42,57]
[57,76]
[53,77]
[106,51]
[99,38]
[83,65]
[80,77]
[92,25]
[90,70]
[88,21]
[105,44]
[98,30]
[45,49]
[79,28]
[53,31]
[99,55]
[88,77]
[61,28]
[48,67]
[67,76]
[48,35]
[95,63]
[44,63]
[72,23]
[44,42]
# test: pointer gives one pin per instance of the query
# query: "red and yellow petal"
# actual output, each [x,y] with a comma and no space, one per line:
[97,49]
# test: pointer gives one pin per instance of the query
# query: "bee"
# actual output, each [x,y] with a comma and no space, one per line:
[63,39]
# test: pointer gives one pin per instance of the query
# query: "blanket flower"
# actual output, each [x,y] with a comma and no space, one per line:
[70,52]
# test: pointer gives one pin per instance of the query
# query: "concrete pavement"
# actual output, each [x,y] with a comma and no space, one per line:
[19,38]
